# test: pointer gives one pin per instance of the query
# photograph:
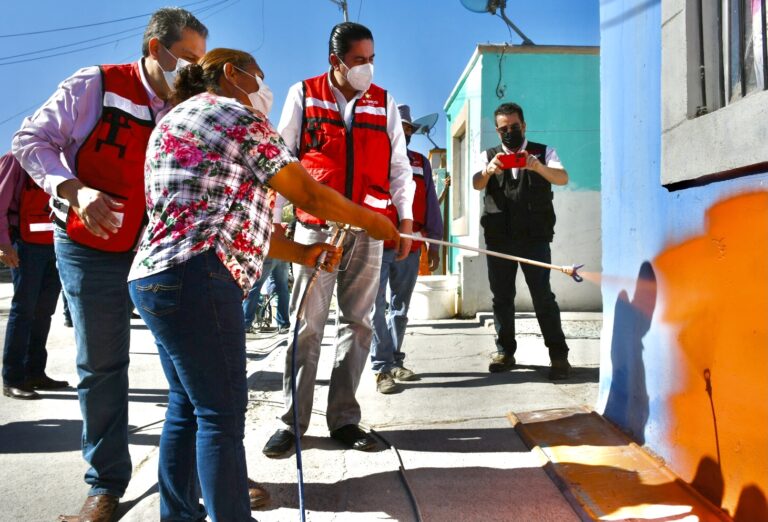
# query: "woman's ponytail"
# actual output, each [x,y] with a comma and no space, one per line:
[189,82]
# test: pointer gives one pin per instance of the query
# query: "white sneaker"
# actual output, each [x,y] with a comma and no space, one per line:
[385,383]
[403,374]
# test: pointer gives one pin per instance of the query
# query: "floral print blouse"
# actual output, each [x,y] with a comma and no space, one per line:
[206,175]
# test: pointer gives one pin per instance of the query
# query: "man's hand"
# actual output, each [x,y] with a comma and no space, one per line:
[494,166]
[533,163]
[404,248]
[8,255]
[94,208]
[480,179]
[380,227]
[433,256]
[312,253]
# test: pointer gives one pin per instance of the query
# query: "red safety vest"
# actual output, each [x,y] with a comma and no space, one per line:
[35,225]
[353,162]
[419,199]
[112,158]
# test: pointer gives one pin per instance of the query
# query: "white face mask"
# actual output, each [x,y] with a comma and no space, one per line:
[359,77]
[170,76]
[262,99]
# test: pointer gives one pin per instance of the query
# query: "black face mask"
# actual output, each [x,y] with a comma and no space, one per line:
[407,140]
[513,139]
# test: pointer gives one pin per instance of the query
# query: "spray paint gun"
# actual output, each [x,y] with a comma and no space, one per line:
[340,231]
[569,270]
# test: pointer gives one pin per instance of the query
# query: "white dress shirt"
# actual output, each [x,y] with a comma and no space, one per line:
[401,184]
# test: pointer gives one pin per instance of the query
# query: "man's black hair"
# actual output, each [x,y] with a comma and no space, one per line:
[343,35]
[508,109]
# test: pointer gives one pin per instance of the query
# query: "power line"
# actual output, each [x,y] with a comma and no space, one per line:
[22,111]
[110,42]
[71,51]
[211,15]
[38,104]
[252,51]
[105,22]
[57,47]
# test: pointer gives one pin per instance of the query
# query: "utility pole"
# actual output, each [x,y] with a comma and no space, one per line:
[344,8]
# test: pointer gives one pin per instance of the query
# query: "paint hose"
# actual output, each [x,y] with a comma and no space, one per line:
[569,270]
[337,239]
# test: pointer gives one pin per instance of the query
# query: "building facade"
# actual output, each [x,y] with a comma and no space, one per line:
[684,358]
[559,91]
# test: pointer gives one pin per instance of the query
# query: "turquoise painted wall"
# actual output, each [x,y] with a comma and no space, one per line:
[560,96]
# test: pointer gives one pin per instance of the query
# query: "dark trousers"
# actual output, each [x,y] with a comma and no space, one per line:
[35,292]
[501,275]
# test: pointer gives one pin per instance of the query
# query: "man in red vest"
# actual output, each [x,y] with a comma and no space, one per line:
[347,133]
[389,322]
[26,245]
[100,120]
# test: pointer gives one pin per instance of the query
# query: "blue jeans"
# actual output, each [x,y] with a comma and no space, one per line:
[194,311]
[67,315]
[36,289]
[96,288]
[278,269]
[389,328]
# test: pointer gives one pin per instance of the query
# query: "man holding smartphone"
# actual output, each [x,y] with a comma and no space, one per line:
[516,178]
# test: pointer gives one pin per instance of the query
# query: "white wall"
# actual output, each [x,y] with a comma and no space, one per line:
[577,241]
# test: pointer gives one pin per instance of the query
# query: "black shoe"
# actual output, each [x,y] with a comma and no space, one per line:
[278,444]
[354,438]
[68,322]
[501,362]
[559,370]
[46,383]
[281,330]
[20,392]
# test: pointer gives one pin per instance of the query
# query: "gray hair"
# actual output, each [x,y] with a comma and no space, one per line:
[167,25]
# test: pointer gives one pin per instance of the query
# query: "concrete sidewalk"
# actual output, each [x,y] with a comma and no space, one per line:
[462,458]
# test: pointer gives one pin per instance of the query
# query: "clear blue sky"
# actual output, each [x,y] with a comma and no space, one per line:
[422,46]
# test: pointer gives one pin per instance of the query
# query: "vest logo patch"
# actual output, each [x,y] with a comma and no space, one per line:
[116,122]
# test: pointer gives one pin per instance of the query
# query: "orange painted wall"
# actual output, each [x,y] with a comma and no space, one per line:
[713,291]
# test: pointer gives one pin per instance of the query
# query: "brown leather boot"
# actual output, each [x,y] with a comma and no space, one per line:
[97,508]
[257,495]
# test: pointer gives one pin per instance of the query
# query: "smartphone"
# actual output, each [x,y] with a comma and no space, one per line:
[515,160]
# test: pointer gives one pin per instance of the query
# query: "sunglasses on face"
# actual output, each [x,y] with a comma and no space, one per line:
[509,128]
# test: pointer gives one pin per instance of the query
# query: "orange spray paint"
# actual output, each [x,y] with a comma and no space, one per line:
[714,295]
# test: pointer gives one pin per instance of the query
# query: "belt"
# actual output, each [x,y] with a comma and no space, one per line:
[315,226]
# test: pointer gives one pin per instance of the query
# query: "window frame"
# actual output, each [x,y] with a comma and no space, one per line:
[724,143]
[460,175]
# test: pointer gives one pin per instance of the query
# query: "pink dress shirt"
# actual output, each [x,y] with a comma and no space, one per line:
[48,141]
[12,178]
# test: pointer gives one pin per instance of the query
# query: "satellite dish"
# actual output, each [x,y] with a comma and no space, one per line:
[476,6]
[491,6]
[425,123]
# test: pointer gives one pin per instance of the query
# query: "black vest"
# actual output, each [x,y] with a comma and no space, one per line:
[525,202]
